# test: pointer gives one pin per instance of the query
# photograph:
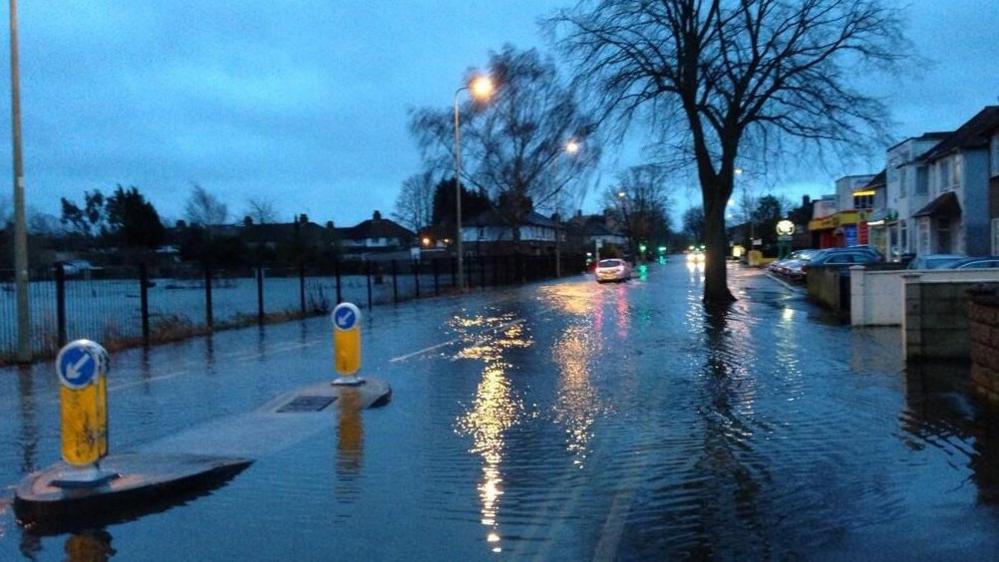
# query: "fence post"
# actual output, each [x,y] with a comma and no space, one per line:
[482,272]
[367,273]
[454,270]
[495,270]
[518,263]
[209,319]
[301,286]
[336,273]
[60,281]
[260,294]
[144,301]
[416,276]
[433,267]
[395,284]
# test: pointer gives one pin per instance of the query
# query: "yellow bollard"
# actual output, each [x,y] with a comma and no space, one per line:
[82,366]
[346,319]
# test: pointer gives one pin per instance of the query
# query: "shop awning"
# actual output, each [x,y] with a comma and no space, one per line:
[946,205]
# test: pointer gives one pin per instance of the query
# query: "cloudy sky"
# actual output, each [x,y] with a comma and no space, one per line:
[304,102]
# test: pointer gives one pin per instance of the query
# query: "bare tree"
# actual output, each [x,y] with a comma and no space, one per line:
[261,210]
[640,200]
[205,209]
[514,146]
[721,79]
[414,206]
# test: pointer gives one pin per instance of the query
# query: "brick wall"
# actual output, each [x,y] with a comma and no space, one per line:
[983,324]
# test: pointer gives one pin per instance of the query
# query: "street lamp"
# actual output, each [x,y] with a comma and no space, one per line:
[571,148]
[481,87]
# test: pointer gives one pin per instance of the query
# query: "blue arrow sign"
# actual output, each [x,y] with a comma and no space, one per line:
[77,365]
[345,318]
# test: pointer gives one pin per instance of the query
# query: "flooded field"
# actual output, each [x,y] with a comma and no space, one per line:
[563,420]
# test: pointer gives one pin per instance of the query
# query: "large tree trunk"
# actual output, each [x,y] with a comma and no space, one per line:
[716,239]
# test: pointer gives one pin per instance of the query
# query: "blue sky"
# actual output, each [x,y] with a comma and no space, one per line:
[304,103]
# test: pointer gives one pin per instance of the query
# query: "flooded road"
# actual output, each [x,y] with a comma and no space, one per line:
[564,420]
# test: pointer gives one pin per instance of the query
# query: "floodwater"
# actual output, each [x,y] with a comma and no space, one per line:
[563,420]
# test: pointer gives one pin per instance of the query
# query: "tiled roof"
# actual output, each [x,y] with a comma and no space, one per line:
[973,134]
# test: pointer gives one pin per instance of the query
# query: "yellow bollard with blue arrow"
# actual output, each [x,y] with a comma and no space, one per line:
[82,366]
[346,319]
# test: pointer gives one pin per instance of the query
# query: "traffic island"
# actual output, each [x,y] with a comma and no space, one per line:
[138,485]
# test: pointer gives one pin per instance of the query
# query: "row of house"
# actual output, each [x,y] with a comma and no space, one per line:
[489,233]
[938,193]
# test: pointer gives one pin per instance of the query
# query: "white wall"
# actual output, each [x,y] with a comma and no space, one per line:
[877,297]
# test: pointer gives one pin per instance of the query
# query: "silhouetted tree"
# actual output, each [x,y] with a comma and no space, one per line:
[720,79]
[132,220]
[89,220]
[693,224]
[511,142]
[204,208]
[261,211]
[640,201]
[414,207]
[472,203]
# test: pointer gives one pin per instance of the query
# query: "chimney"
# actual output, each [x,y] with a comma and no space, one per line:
[377,216]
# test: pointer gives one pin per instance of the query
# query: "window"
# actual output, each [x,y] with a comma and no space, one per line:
[904,238]
[956,177]
[902,177]
[995,160]
[922,181]
[924,236]
[943,176]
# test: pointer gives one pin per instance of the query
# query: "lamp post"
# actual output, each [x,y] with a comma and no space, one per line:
[481,88]
[571,148]
[20,227]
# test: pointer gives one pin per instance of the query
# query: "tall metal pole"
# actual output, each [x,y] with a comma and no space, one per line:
[20,227]
[558,223]
[457,191]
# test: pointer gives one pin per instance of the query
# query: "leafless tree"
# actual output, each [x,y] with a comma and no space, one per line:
[641,201]
[724,79]
[205,209]
[514,146]
[414,206]
[261,210]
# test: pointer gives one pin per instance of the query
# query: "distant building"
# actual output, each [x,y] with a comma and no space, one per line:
[376,234]
[907,190]
[846,225]
[994,187]
[493,233]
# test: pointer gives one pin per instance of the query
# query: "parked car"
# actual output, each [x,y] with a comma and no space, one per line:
[792,263]
[613,270]
[934,261]
[855,255]
[980,262]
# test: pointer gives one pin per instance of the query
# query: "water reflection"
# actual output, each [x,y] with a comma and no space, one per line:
[27,406]
[577,404]
[495,409]
[89,546]
[727,452]
[350,444]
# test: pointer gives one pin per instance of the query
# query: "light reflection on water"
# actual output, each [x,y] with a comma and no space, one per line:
[495,409]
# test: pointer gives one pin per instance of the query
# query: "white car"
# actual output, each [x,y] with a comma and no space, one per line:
[613,270]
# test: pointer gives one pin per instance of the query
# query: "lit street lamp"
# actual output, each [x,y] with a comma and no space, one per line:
[571,148]
[481,88]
